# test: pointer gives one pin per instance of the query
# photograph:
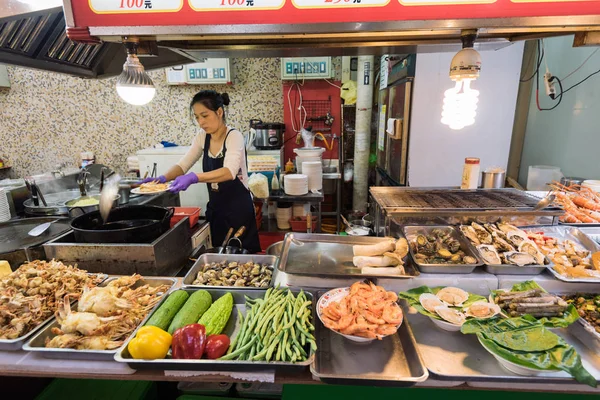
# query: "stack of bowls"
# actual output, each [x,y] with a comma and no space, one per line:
[299,210]
[296,185]
[314,171]
[301,160]
[283,216]
[594,185]
[4,207]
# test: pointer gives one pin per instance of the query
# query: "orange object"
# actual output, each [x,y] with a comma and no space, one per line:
[596,260]
[300,224]
[289,166]
[181,212]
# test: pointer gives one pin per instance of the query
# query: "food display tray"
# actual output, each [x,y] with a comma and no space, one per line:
[459,357]
[17,343]
[411,233]
[38,342]
[208,258]
[231,330]
[392,361]
[328,256]
[571,233]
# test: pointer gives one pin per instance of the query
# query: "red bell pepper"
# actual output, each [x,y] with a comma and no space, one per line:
[189,342]
[216,346]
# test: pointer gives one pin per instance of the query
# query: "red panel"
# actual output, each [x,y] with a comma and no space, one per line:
[312,90]
[393,11]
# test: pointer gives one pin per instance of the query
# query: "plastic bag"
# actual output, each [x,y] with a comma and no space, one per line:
[259,185]
[348,92]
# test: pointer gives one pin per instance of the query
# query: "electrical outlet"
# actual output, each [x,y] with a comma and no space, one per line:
[548,82]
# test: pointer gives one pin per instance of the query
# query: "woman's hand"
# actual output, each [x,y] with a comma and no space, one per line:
[160,179]
[183,182]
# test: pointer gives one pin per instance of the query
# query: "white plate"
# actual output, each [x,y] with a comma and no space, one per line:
[447,326]
[515,368]
[334,296]
[137,191]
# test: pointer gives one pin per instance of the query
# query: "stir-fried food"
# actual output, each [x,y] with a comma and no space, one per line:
[32,293]
[151,187]
[368,311]
[105,316]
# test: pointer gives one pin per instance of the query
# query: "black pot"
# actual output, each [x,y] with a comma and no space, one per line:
[132,224]
[227,250]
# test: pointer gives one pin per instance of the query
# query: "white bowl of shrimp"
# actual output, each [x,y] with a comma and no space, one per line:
[361,313]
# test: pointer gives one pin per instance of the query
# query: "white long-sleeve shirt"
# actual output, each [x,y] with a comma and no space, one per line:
[235,157]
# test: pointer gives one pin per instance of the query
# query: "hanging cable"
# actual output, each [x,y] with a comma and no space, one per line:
[540,57]
[582,64]
[581,81]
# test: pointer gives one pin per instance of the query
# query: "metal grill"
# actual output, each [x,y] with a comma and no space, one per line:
[401,198]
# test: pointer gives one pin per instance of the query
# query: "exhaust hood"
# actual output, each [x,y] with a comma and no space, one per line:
[35,37]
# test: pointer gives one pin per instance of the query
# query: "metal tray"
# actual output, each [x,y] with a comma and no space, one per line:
[453,356]
[411,233]
[328,255]
[38,342]
[574,234]
[208,258]
[509,269]
[584,331]
[393,361]
[17,343]
[231,330]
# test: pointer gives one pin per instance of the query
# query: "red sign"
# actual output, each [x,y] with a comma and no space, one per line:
[104,13]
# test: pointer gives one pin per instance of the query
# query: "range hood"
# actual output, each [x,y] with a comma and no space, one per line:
[33,35]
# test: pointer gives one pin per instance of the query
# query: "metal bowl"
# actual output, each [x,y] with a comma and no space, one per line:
[275,249]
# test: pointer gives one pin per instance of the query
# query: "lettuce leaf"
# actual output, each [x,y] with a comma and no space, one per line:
[412,296]
[527,342]
[571,315]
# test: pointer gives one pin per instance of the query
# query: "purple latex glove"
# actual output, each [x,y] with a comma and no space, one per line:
[183,182]
[160,179]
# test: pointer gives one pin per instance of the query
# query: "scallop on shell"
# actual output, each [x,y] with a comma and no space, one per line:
[489,254]
[430,301]
[482,310]
[452,296]
[518,258]
[451,315]
[530,247]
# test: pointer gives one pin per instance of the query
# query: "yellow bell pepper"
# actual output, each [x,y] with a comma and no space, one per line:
[150,343]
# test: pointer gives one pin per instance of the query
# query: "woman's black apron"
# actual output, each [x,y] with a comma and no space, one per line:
[229,206]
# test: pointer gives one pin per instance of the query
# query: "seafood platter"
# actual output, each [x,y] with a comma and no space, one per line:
[505,249]
[101,320]
[441,249]
[236,270]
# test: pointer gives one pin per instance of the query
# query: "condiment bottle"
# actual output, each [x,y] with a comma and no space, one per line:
[470,176]
[289,166]
[275,183]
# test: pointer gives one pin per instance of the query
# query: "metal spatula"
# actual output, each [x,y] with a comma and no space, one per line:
[108,195]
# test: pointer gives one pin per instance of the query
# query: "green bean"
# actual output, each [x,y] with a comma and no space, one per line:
[239,351]
[303,339]
[278,356]
[236,338]
[294,357]
[271,349]
[313,344]
[299,347]
[303,307]
[252,352]
[288,349]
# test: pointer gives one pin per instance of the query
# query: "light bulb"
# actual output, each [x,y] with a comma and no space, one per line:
[460,105]
[134,85]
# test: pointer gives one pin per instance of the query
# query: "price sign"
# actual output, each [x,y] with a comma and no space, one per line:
[134,6]
[443,2]
[232,5]
[339,3]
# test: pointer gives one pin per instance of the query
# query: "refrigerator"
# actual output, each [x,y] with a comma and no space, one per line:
[165,158]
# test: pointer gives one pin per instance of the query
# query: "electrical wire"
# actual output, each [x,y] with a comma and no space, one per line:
[581,81]
[582,64]
[540,57]
[332,84]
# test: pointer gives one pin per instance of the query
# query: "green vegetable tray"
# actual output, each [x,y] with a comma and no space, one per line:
[231,329]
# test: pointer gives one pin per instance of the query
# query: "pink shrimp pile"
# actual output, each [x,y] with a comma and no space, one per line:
[368,311]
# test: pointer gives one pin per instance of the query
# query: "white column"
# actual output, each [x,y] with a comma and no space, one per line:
[362,136]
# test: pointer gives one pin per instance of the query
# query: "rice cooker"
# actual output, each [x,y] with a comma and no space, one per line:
[267,135]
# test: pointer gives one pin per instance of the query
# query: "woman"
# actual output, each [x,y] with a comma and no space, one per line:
[224,164]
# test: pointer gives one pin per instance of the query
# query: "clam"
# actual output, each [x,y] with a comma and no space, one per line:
[530,247]
[456,258]
[489,254]
[482,310]
[430,301]
[469,260]
[438,232]
[470,233]
[421,240]
[444,253]
[482,234]
[452,296]
[451,315]
[453,244]
[518,258]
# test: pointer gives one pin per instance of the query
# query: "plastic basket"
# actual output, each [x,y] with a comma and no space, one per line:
[299,224]
[193,213]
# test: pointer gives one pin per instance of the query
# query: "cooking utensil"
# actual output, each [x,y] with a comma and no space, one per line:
[237,236]
[224,244]
[90,227]
[545,202]
[108,196]
[493,180]
[38,230]
[345,221]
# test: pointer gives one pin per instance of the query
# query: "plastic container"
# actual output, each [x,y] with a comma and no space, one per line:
[181,212]
[470,176]
[299,224]
[539,176]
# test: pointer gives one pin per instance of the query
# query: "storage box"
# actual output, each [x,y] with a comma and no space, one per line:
[193,213]
[299,224]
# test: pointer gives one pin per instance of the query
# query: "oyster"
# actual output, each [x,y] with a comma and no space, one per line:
[469,260]
[489,254]
[516,237]
[529,247]
[500,243]
[482,234]
[518,258]
[491,228]
[430,301]
[451,315]
[482,310]
[505,227]
[452,296]
[470,233]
